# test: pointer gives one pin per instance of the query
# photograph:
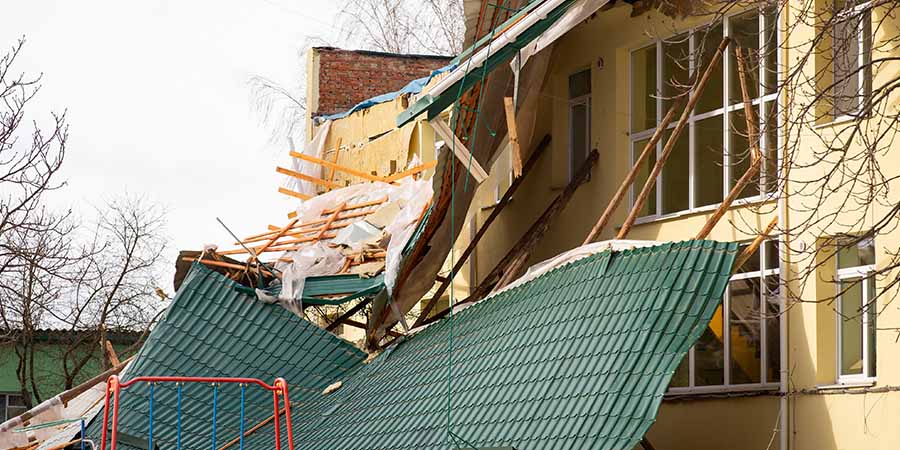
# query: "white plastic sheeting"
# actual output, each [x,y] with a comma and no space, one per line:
[405,203]
[581,10]
[316,148]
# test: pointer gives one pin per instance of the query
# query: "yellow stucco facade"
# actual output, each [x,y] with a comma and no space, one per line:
[801,404]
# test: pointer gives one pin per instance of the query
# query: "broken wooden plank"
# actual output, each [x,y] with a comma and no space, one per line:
[670,144]
[459,150]
[111,354]
[754,246]
[361,325]
[350,313]
[338,167]
[412,171]
[513,134]
[278,235]
[294,194]
[330,221]
[304,177]
[226,265]
[498,208]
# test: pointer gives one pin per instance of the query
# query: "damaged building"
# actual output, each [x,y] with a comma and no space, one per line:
[564,237]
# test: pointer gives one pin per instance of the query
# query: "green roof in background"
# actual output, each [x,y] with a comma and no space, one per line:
[579,357]
[214,328]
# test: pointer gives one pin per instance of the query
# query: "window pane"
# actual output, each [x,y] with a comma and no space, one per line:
[745,34]
[745,324]
[708,174]
[681,377]
[706,41]
[771,49]
[643,89]
[676,176]
[740,156]
[773,330]
[709,353]
[16,405]
[773,257]
[872,312]
[579,116]
[3,408]
[846,61]
[851,327]
[770,134]
[643,172]
[752,264]
[676,69]
[859,254]
[580,84]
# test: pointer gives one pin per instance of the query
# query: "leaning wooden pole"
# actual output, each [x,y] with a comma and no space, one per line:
[756,158]
[632,174]
[670,144]
[754,246]
[523,248]
[498,208]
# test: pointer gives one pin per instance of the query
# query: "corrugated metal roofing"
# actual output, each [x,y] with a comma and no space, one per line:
[577,358]
[214,328]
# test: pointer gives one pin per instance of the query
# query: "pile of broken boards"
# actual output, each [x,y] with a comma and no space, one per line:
[359,230]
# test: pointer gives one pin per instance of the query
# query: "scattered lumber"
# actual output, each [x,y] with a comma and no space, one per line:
[459,149]
[513,133]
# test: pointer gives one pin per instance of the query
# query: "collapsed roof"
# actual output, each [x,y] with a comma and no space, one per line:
[578,357]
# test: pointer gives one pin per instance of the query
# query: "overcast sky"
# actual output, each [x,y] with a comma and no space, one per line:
[159,104]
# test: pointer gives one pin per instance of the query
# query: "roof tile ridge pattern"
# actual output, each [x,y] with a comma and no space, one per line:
[576,358]
[213,328]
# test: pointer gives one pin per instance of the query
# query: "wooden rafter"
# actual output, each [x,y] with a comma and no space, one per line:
[304,177]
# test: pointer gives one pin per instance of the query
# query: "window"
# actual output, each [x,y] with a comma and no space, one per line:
[712,153]
[579,120]
[850,53]
[11,405]
[856,312]
[740,349]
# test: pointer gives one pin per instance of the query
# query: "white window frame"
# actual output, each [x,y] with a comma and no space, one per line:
[762,103]
[764,384]
[583,100]
[6,396]
[864,77]
[861,273]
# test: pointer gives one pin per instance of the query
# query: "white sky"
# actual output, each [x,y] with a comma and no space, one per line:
[159,104]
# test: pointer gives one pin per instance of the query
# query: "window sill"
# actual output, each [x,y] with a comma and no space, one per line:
[836,122]
[848,384]
[732,389]
[760,199]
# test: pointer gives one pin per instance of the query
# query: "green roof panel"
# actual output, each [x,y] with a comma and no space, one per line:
[579,357]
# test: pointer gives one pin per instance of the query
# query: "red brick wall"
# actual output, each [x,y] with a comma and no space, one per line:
[347,77]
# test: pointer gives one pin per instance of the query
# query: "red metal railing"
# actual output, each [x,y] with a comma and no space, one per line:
[114,386]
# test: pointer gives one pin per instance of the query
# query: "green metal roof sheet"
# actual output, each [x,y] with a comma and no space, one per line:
[579,357]
[350,286]
[434,105]
[213,328]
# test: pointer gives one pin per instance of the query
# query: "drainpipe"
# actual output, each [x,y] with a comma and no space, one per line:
[784,271]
